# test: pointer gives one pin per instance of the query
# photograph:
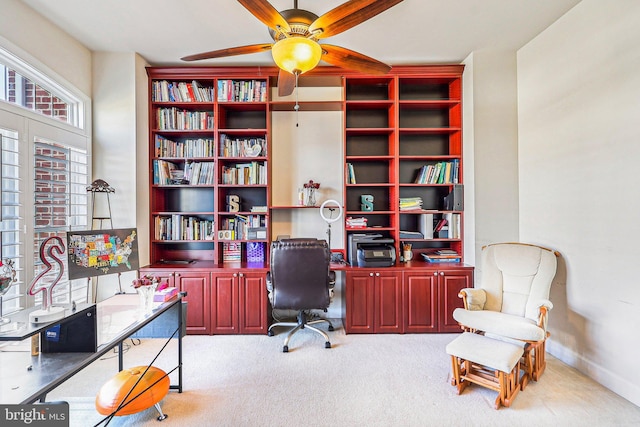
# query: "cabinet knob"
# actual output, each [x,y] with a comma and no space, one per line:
[442,273]
[235,274]
[435,273]
[377,274]
[241,274]
[371,274]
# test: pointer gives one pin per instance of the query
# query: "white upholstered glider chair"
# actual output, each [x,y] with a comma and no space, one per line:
[512,299]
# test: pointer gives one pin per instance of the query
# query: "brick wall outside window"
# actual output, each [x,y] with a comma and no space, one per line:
[36,98]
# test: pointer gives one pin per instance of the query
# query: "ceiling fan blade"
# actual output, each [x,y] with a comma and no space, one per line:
[266,13]
[286,83]
[231,51]
[348,15]
[352,60]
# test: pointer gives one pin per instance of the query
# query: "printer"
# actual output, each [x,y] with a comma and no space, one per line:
[371,250]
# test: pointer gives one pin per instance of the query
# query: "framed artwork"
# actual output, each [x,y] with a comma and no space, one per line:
[99,252]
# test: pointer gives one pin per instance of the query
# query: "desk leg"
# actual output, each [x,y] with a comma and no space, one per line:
[120,357]
[180,356]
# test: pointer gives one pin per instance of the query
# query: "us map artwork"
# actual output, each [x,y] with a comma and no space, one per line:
[101,252]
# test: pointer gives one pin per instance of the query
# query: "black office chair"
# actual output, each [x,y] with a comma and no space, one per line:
[300,279]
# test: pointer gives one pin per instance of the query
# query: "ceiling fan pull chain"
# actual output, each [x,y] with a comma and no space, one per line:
[297,106]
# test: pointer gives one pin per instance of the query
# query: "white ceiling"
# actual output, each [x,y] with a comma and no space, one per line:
[412,32]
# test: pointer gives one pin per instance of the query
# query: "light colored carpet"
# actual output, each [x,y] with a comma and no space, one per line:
[364,380]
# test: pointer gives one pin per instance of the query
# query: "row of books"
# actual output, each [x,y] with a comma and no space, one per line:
[242,147]
[177,119]
[410,203]
[242,90]
[199,173]
[240,226]
[351,174]
[165,91]
[439,173]
[194,173]
[254,173]
[201,147]
[181,227]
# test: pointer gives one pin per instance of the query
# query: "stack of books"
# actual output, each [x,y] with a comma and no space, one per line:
[356,222]
[410,203]
[441,256]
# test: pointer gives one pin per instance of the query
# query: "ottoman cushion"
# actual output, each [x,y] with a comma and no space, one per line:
[496,354]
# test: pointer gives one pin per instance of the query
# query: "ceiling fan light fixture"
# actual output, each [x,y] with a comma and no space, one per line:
[297,55]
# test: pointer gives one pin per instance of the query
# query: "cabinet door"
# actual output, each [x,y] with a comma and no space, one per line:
[451,282]
[224,303]
[388,303]
[252,303]
[196,285]
[420,296]
[358,309]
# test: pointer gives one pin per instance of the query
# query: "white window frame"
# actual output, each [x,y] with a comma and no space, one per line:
[29,125]
[77,112]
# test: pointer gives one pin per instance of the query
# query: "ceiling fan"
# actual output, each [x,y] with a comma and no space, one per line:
[296,32]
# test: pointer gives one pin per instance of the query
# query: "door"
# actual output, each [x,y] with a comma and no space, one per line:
[420,296]
[196,285]
[224,303]
[252,302]
[388,302]
[451,282]
[358,299]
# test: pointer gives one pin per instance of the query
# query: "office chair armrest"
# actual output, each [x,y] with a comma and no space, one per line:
[474,299]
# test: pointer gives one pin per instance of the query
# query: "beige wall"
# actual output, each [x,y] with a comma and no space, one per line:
[579,109]
[120,148]
[60,54]
[490,151]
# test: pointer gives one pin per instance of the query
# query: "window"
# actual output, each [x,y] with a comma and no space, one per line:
[60,202]
[10,216]
[22,85]
[45,171]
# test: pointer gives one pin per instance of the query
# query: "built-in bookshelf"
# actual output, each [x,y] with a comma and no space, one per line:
[208,164]
[211,183]
[210,144]
[403,157]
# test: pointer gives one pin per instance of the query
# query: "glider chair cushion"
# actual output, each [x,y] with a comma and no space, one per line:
[512,299]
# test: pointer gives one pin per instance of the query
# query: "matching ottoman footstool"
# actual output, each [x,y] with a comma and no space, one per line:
[487,362]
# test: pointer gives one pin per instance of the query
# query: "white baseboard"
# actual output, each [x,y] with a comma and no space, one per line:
[603,376]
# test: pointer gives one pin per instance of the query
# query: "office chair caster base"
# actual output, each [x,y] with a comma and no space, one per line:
[270,333]
[327,345]
[285,349]
[331,329]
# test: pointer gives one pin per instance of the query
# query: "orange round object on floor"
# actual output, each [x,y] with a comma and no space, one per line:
[113,392]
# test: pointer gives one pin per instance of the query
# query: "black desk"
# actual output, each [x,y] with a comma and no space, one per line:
[118,318]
